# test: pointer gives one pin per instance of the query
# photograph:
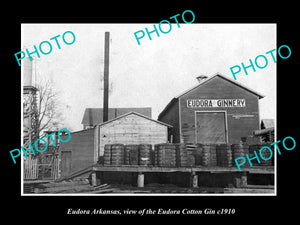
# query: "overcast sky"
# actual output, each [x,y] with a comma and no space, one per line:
[150,74]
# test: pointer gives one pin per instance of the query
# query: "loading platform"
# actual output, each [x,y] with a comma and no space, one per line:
[216,169]
[241,178]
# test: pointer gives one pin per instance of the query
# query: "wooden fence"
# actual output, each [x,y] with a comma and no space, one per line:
[30,168]
[45,168]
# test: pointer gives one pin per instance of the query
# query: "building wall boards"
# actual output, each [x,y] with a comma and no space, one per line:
[131,129]
[85,146]
[217,110]
[79,150]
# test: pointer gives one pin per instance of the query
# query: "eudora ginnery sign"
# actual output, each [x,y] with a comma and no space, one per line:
[215,103]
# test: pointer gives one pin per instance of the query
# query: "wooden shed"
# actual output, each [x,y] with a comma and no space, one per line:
[217,110]
[131,128]
[86,146]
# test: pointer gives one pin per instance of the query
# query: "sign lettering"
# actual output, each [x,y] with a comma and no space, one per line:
[215,103]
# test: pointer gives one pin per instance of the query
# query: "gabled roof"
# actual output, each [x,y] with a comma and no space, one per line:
[94,116]
[205,81]
[225,78]
[137,114]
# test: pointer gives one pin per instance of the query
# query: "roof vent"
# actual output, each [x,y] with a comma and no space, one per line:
[201,78]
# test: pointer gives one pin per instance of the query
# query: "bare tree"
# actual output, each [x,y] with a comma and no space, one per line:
[43,110]
[48,115]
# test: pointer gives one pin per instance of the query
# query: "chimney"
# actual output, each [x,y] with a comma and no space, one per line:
[201,78]
[106,81]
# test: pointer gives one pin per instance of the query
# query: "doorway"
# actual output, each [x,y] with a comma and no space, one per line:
[211,127]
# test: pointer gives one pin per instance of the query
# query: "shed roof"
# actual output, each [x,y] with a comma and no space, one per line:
[94,116]
[267,123]
[137,114]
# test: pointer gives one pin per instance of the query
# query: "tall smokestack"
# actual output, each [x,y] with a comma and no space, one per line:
[27,72]
[106,72]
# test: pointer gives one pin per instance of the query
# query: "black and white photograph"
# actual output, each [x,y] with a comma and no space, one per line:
[186,112]
[134,112]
